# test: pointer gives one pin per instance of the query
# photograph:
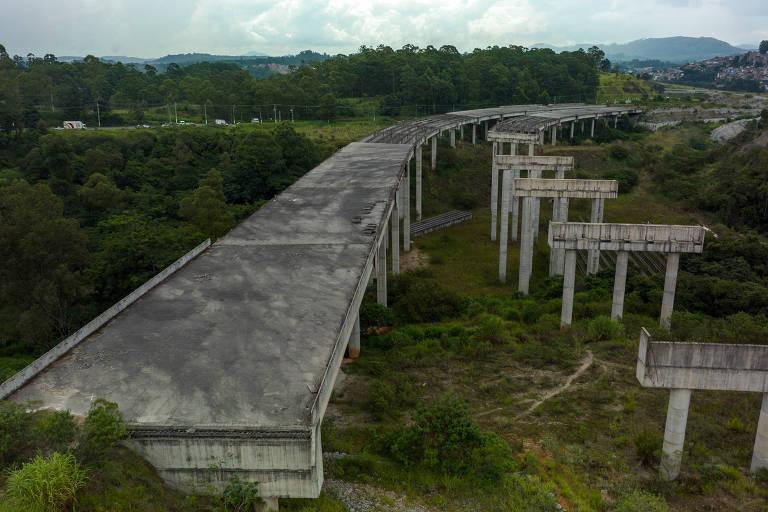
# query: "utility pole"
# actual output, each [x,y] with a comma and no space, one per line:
[98,114]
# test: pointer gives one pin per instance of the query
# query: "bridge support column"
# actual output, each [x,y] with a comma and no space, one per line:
[593,257]
[453,138]
[569,283]
[541,138]
[407,209]
[513,149]
[592,129]
[434,152]
[506,177]
[353,348]
[526,248]
[395,224]
[554,135]
[515,202]
[531,149]
[557,256]
[461,133]
[615,121]
[474,133]
[670,282]
[418,181]
[494,189]
[572,123]
[485,130]
[674,433]
[381,269]
[619,286]
[270,505]
[581,127]
[535,208]
[760,453]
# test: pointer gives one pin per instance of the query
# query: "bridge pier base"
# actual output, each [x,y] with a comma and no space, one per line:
[353,347]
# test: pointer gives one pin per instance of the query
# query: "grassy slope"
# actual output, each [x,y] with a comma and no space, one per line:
[585,439]
[621,87]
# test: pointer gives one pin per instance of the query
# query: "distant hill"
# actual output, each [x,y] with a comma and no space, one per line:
[678,50]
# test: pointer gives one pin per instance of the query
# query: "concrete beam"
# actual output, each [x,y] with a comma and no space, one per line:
[535,163]
[627,237]
[516,138]
[583,189]
[704,366]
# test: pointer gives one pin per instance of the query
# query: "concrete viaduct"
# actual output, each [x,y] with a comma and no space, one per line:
[228,357]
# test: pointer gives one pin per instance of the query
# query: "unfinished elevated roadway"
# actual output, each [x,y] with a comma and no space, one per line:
[227,359]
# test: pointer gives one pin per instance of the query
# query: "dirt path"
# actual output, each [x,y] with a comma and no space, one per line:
[413,259]
[359,497]
[556,391]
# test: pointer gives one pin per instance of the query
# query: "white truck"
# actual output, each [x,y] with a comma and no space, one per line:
[74,125]
[221,122]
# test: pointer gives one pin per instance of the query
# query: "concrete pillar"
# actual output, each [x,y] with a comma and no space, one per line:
[592,129]
[554,135]
[569,283]
[354,339]
[270,504]
[541,138]
[535,208]
[526,247]
[418,181]
[485,130]
[461,133]
[619,286]
[581,127]
[381,270]
[505,183]
[674,433]
[615,121]
[513,148]
[494,189]
[453,138]
[395,223]
[407,209]
[562,212]
[670,282]
[760,453]
[531,149]
[572,123]
[593,255]
[400,209]
[474,133]
[434,152]
[515,202]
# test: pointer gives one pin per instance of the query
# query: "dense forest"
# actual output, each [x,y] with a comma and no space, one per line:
[87,217]
[410,80]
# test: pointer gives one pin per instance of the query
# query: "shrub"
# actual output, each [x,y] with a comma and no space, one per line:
[640,501]
[56,430]
[102,429]
[735,424]
[373,314]
[602,328]
[13,424]
[239,495]
[423,302]
[44,484]
[648,446]
[490,328]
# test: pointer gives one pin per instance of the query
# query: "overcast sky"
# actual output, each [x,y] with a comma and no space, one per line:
[153,28]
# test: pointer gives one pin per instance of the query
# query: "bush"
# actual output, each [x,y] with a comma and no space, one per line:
[44,484]
[373,314]
[13,424]
[239,495]
[602,328]
[102,429]
[424,302]
[648,446]
[56,430]
[640,501]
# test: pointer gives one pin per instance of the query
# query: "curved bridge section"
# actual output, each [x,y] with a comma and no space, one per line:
[228,358]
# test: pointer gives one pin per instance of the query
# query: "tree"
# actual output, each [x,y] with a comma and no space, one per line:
[206,208]
[764,46]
